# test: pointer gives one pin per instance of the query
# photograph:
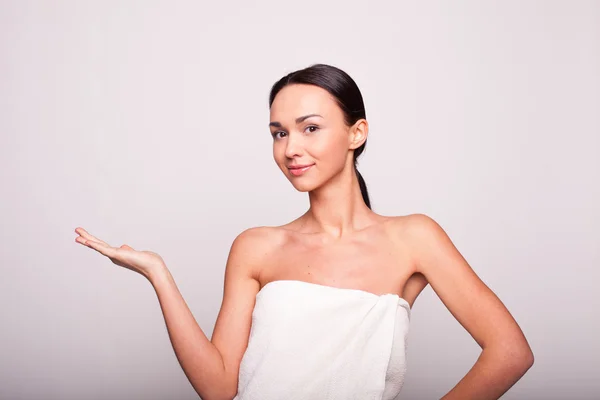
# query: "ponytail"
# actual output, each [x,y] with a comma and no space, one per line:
[363,188]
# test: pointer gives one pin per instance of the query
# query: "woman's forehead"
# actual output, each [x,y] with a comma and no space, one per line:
[297,100]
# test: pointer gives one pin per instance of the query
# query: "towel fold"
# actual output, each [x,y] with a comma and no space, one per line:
[310,342]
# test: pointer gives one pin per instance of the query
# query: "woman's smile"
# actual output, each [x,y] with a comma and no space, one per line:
[298,170]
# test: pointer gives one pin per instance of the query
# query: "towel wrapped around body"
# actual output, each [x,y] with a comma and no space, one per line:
[315,342]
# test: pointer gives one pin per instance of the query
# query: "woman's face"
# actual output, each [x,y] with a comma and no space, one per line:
[311,142]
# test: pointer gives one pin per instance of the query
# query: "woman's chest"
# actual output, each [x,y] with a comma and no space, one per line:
[377,265]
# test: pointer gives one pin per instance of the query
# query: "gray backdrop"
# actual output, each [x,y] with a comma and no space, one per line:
[146,123]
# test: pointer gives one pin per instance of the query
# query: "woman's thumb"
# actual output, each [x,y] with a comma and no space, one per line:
[126,247]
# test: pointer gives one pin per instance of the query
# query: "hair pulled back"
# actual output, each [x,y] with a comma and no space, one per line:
[346,93]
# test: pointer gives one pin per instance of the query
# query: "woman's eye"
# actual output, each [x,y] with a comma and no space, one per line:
[276,134]
[312,126]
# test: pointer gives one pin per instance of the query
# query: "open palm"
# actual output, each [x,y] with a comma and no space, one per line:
[143,262]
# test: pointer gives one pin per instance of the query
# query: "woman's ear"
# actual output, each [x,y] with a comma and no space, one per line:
[358,133]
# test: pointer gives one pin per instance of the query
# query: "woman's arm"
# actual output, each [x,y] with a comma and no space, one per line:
[199,358]
[506,355]
[210,366]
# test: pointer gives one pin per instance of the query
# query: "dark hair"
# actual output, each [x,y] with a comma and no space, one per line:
[346,93]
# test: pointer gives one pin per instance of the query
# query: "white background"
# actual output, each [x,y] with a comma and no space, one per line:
[146,123]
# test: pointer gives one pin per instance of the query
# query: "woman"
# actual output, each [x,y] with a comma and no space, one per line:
[318,308]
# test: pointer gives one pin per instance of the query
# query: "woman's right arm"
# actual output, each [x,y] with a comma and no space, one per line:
[212,367]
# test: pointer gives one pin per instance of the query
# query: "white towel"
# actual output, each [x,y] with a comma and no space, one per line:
[311,342]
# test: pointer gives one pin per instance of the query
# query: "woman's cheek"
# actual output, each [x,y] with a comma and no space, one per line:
[323,145]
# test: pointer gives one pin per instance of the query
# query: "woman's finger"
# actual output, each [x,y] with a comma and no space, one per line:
[87,236]
[101,248]
[84,241]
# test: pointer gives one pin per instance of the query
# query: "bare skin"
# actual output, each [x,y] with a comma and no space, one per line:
[338,242]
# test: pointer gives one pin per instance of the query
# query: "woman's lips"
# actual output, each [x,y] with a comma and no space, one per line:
[297,171]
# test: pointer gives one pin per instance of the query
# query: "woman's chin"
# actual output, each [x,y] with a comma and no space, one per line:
[303,186]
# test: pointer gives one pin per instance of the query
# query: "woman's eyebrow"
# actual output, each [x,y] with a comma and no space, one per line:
[298,120]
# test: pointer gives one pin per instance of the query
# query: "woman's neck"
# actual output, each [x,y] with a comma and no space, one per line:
[337,208]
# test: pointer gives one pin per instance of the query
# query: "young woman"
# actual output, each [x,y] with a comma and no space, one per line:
[319,308]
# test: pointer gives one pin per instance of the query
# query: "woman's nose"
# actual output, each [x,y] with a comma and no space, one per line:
[293,146]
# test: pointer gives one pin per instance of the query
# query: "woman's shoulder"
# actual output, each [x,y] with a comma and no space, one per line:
[261,238]
[410,222]
[255,247]
[420,234]
[421,224]
[259,234]
[413,228]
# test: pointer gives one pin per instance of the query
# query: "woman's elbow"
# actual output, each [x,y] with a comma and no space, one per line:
[528,359]
[515,357]
[520,359]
